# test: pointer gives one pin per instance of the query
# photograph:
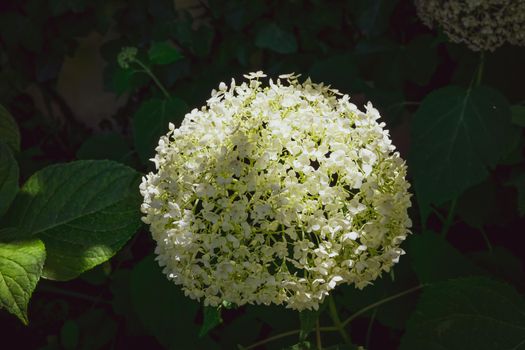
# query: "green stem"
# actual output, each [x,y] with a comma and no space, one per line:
[486,239]
[275,337]
[343,324]
[438,214]
[380,302]
[318,335]
[369,330]
[153,77]
[481,66]
[450,217]
[68,293]
[336,320]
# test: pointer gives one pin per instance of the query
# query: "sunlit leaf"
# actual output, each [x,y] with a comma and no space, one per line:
[20,268]
[84,211]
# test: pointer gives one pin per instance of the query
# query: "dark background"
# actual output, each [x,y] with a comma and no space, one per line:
[60,79]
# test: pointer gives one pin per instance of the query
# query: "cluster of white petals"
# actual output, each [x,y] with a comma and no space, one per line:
[480,24]
[276,194]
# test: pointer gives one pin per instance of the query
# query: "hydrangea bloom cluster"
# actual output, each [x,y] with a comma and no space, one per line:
[276,194]
[481,24]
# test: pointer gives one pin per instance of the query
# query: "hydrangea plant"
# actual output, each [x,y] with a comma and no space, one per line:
[276,194]
[481,24]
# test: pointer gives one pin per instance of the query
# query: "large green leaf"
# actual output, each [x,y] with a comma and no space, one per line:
[486,203]
[9,130]
[20,268]
[434,259]
[456,135]
[84,211]
[163,309]
[8,177]
[469,313]
[90,240]
[274,38]
[151,121]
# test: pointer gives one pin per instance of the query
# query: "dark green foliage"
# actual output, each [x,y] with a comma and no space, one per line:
[8,177]
[457,134]
[151,121]
[69,202]
[468,313]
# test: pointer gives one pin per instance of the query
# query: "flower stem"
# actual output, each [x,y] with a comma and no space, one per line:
[343,324]
[369,330]
[318,335]
[275,337]
[337,321]
[486,239]
[146,70]
[481,66]
[381,302]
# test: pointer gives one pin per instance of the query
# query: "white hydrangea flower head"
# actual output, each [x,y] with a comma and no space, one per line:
[276,194]
[481,24]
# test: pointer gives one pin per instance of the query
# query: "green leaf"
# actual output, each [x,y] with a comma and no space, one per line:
[9,130]
[456,135]
[467,313]
[8,177]
[69,335]
[84,211]
[163,53]
[110,146]
[486,204]
[163,309]
[91,240]
[97,330]
[501,263]
[434,259]
[122,80]
[20,268]
[272,37]
[151,121]
[212,318]
[518,115]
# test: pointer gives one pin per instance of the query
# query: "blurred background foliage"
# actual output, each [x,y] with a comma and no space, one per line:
[60,79]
